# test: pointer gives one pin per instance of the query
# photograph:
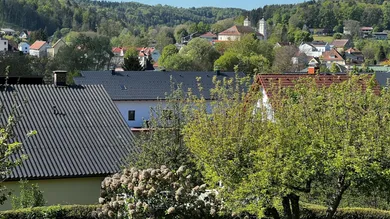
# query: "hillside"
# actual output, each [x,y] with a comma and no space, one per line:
[86,15]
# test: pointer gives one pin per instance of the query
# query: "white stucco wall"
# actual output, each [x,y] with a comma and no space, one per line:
[3,45]
[228,38]
[24,47]
[142,110]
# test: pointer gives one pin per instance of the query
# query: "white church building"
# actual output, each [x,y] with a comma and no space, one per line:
[236,32]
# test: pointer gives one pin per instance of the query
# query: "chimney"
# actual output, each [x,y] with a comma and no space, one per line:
[59,77]
[312,70]
[217,70]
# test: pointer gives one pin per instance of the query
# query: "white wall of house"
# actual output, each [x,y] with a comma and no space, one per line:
[141,108]
[24,47]
[264,106]
[228,38]
[3,45]
[323,48]
[309,50]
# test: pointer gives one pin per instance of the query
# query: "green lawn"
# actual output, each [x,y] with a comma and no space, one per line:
[328,39]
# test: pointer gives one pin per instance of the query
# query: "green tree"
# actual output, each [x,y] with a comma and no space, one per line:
[131,61]
[167,52]
[268,160]
[201,53]
[227,61]
[334,68]
[29,196]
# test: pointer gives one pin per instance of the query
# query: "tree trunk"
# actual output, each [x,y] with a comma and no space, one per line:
[295,206]
[274,213]
[286,208]
[336,198]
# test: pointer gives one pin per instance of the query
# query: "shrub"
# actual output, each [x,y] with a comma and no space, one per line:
[155,193]
[51,212]
[29,196]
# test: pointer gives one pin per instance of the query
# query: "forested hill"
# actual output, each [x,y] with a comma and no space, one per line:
[86,15]
[328,13]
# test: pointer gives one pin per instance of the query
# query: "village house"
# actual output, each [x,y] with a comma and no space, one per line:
[51,52]
[353,56]
[380,35]
[236,32]
[146,56]
[134,93]
[7,31]
[309,50]
[332,57]
[321,46]
[23,35]
[39,49]
[24,47]
[341,44]
[81,138]
[3,45]
[269,84]
[209,36]
[366,31]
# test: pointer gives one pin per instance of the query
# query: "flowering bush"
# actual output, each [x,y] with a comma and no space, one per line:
[155,193]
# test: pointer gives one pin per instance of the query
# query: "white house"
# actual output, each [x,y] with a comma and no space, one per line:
[39,49]
[321,46]
[3,45]
[309,50]
[134,93]
[24,47]
[236,32]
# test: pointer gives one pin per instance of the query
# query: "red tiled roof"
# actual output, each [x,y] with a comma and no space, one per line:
[239,30]
[208,34]
[267,81]
[340,43]
[37,45]
[145,50]
[332,55]
[366,28]
[118,50]
[352,50]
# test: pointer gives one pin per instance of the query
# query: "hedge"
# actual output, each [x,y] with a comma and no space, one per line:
[345,213]
[85,211]
[51,212]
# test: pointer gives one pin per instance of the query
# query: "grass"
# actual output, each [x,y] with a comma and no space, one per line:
[328,39]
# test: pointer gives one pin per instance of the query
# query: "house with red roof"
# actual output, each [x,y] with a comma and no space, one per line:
[39,49]
[332,56]
[209,36]
[270,84]
[236,32]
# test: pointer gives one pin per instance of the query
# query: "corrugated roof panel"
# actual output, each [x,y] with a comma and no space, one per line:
[78,129]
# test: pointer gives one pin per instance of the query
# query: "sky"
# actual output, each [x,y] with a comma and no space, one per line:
[244,4]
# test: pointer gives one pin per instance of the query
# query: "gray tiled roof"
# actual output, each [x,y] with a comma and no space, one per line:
[143,85]
[80,131]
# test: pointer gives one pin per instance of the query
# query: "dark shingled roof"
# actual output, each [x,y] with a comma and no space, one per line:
[143,85]
[80,131]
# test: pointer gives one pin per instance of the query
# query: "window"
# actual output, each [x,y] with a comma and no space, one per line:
[5,43]
[131,115]
[25,48]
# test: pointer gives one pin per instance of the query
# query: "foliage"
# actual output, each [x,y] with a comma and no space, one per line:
[162,143]
[29,196]
[106,17]
[59,211]
[131,61]
[198,55]
[156,193]
[85,53]
[283,59]
[267,160]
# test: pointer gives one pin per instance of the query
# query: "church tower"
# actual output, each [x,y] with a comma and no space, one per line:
[263,28]
[247,22]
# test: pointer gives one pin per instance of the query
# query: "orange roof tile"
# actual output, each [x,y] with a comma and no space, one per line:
[239,30]
[267,81]
[37,45]
[332,55]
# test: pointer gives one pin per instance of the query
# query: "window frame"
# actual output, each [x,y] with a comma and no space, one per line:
[131,115]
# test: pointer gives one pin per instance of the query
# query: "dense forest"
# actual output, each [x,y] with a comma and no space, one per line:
[327,14]
[85,15]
